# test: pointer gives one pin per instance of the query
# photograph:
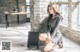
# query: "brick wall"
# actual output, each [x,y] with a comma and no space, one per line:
[39,13]
[9,5]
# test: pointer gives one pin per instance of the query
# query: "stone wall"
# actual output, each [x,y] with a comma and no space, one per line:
[9,6]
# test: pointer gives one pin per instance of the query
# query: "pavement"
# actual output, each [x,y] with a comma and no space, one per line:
[18,35]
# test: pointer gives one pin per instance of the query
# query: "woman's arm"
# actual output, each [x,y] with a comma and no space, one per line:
[48,28]
[56,26]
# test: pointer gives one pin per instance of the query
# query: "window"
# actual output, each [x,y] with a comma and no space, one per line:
[27,2]
[74,0]
[58,0]
[79,13]
[53,0]
[28,8]
[78,22]
[64,12]
[74,17]
[63,0]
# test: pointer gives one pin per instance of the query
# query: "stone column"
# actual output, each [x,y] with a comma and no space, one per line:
[38,13]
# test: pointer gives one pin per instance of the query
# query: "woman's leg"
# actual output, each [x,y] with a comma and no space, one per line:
[49,46]
[43,36]
[48,39]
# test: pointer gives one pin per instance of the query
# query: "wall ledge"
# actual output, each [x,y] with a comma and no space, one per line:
[72,34]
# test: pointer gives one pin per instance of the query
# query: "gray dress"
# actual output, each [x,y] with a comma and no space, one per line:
[51,26]
[53,29]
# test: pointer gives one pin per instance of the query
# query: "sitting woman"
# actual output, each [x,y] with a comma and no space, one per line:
[53,37]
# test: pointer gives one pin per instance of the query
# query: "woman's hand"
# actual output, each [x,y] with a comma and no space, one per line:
[43,36]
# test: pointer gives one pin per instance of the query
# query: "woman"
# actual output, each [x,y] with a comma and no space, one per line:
[53,36]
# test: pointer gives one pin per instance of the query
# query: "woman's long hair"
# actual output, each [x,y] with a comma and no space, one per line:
[50,5]
[50,15]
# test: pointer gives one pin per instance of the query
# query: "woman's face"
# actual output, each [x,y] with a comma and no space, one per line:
[51,11]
